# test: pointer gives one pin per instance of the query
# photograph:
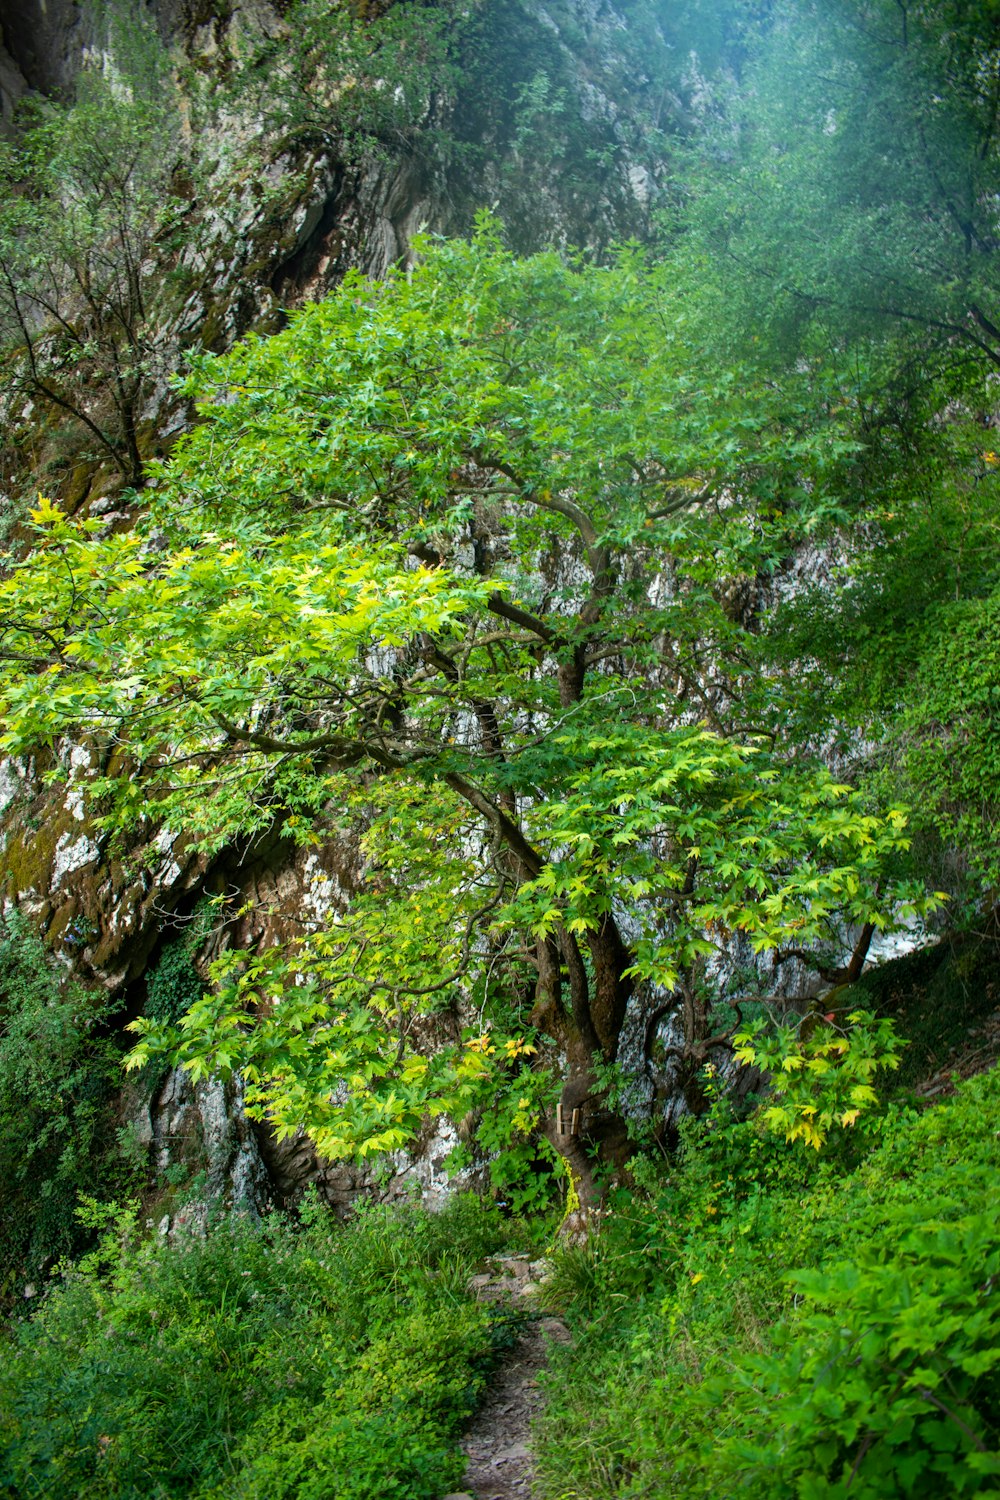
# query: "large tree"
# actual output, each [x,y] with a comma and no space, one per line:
[454,558]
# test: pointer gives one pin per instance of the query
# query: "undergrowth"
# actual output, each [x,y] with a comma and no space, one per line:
[755,1318]
[59,1076]
[313,1361]
[767,1322]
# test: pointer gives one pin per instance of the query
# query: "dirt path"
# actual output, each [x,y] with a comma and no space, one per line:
[496,1442]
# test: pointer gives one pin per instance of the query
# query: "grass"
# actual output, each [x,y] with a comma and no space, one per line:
[305,1360]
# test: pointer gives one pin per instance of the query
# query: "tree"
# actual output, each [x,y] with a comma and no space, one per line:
[445,558]
[855,174]
[84,202]
[892,655]
[350,77]
[851,184]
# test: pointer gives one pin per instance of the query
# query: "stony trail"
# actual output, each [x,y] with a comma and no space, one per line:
[497,1441]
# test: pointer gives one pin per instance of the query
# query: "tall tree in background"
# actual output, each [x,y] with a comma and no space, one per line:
[84,203]
[857,169]
[844,200]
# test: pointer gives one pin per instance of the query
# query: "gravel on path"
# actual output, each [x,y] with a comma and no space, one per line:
[497,1440]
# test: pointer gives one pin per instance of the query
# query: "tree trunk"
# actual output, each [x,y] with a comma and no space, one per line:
[591,1137]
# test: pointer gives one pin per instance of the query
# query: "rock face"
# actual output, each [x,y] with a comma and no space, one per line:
[202,1126]
[48,39]
[44,40]
[546,123]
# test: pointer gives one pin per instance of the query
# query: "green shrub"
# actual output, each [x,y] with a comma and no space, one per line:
[342,1457]
[885,1383]
[950,735]
[764,1323]
[427,1364]
[59,1070]
[283,1360]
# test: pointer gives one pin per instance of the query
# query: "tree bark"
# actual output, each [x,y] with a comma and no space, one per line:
[591,1138]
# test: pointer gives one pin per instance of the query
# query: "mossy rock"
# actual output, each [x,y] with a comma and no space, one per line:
[214,332]
[75,491]
[26,863]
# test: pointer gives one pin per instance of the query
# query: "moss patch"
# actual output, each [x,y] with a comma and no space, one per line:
[26,863]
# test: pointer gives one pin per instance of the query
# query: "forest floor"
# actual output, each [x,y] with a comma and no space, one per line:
[497,1442]
[979,1050]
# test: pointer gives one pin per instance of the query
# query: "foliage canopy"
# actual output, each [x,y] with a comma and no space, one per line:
[448,554]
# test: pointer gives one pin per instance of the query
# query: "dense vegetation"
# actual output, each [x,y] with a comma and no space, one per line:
[758,1324]
[60,1067]
[637,611]
[267,1361]
[869,155]
[750,1320]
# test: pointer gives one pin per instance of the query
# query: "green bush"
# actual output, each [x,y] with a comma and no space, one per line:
[307,1360]
[347,1458]
[59,1069]
[885,1383]
[765,1324]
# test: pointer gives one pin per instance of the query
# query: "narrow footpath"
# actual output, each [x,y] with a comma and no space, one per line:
[497,1441]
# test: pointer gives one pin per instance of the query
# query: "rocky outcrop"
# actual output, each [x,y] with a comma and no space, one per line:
[48,40]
